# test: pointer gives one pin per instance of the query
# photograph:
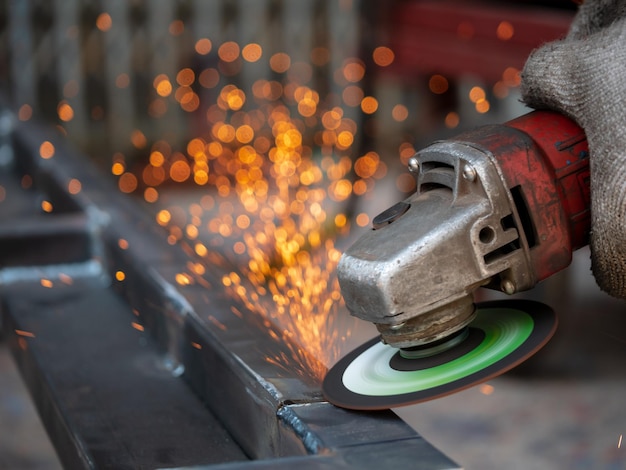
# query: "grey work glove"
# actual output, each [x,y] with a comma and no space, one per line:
[584,77]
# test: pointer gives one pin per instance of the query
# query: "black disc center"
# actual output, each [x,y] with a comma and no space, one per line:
[435,347]
[438,353]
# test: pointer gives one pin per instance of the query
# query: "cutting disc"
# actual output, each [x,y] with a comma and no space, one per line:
[377,376]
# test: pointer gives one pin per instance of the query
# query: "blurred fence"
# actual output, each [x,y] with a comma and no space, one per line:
[90,65]
[93,66]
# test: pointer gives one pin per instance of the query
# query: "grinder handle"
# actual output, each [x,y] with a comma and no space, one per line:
[565,148]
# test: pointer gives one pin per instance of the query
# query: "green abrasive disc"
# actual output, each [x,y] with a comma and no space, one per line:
[377,376]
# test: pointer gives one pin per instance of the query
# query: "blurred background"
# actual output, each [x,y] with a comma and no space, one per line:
[269,133]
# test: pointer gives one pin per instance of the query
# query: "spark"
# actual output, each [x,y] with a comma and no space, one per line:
[476,94]
[452,120]
[66,279]
[23,333]
[127,182]
[26,182]
[281,165]
[25,112]
[438,84]
[46,206]
[183,279]
[619,441]
[137,326]
[117,168]
[46,150]
[65,111]
[217,323]
[203,46]
[74,186]
[505,31]
[383,56]
[104,22]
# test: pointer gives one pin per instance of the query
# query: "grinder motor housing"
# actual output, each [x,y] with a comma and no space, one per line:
[502,207]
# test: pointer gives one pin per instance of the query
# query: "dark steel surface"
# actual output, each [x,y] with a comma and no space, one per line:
[131,373]
[108,397]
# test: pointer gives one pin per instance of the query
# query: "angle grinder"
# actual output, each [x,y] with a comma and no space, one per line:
[501,207]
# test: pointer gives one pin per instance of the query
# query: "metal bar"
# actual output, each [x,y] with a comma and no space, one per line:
[251,28]
[105,378]
[68,68]
[103,360]
[298,30]
[21,41]
[343,18]
[206,21]
[164,58]
[118,60]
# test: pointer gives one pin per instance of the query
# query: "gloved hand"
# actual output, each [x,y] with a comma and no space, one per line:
[584,77]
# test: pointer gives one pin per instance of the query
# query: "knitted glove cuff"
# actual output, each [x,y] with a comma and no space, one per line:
[584,77]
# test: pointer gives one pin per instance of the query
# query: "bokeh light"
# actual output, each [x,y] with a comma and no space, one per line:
[275,143]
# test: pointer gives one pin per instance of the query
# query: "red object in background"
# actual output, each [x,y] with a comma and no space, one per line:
[455,38]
